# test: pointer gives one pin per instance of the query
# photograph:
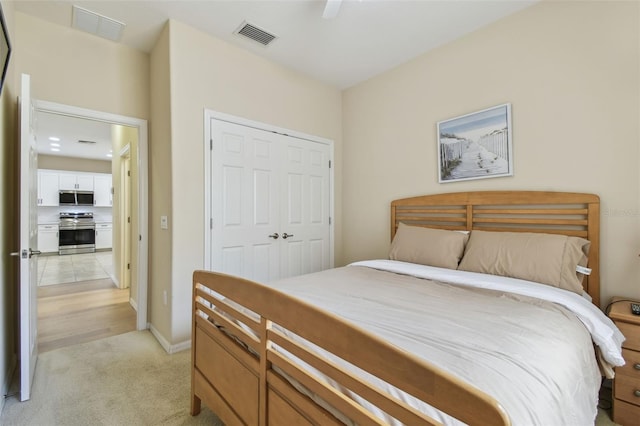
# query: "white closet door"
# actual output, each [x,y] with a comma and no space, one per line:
[305,207]
[263,184]
[245,201]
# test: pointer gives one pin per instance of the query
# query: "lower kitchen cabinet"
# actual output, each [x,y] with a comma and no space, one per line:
[104,235]
[48,238]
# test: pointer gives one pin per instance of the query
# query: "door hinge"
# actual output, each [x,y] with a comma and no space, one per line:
[211,144]
[211,223]
[129,173]
[329,163]
[329,220]
[139,237]
[129,219]
[128,266]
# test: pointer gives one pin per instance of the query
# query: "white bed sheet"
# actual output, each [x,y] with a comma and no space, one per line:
[392,300]
[603,331]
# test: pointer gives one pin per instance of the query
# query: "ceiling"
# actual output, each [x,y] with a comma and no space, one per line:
[69,130]
[366,38]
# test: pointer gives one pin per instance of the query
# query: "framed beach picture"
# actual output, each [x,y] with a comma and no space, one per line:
[476,145]
[5,49]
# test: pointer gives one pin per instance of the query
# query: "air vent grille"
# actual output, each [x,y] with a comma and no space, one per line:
[256,34]
[97,24]
[86,141]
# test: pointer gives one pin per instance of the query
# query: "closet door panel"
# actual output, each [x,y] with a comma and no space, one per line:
[245,202]
[233,260]
[232,196]
[307,171]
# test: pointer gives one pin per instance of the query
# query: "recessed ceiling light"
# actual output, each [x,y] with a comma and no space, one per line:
[54,144]
[55,149]
[54,138]
[109,155]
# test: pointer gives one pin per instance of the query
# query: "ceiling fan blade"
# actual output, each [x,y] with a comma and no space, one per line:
[331,9]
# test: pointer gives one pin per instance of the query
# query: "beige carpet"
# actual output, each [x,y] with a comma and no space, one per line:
[122,380]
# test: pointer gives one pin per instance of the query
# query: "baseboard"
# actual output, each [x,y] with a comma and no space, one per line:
[6,386]
[133,304]
[171,349]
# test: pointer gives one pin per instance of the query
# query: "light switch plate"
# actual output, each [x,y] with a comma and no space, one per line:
[164,222]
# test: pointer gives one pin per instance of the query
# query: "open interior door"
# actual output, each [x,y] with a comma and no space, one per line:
[28,242]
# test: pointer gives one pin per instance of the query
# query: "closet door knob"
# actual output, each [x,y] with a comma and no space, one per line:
[285,236]
[275,235]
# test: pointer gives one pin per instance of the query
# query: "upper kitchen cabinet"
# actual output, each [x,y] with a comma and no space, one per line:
[102,190]
[50,182]
[71,181]
[47,188]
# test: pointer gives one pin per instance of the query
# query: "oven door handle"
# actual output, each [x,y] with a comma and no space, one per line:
[77,228]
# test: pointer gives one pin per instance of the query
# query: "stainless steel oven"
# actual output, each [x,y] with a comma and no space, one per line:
[77,233]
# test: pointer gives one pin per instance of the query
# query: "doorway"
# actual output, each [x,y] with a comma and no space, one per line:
[137,201]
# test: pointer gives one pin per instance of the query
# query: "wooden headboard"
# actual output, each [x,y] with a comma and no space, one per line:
[565,213]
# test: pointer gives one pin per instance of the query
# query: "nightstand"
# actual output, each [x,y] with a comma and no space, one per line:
[626,385]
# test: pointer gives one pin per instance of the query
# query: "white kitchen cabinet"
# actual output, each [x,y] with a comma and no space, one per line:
[67,181]
[102,190]
[47,188]
[104,235]
[85,182]
[48,238]
[78,181]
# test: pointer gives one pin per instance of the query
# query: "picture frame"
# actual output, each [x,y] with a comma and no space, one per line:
[5,49]
[477,145]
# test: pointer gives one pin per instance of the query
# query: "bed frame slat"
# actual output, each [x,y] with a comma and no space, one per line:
[250,322]
[334,397]
[393,407]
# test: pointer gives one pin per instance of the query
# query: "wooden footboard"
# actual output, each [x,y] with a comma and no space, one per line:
[240,370]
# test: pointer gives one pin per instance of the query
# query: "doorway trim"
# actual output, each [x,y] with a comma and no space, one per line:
[208,170]
[143,185]
[125,212]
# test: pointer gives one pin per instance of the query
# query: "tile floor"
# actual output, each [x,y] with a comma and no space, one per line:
[74,267]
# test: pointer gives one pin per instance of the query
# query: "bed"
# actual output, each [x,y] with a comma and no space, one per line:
[400,341]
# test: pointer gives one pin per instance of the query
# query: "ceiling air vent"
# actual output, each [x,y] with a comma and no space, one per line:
[97,24]
[254,33]
[86,141]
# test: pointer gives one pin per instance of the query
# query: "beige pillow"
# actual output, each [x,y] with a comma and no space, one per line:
[428,246]
[544,258]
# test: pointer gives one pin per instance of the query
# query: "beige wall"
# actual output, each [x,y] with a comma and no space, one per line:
[56,162]
[8,217]
[209,73]
[160,170]
[570,71]
[70,67]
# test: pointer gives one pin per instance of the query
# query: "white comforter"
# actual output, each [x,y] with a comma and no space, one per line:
[535,357]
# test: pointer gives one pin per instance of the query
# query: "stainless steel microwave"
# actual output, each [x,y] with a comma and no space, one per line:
[76,198]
